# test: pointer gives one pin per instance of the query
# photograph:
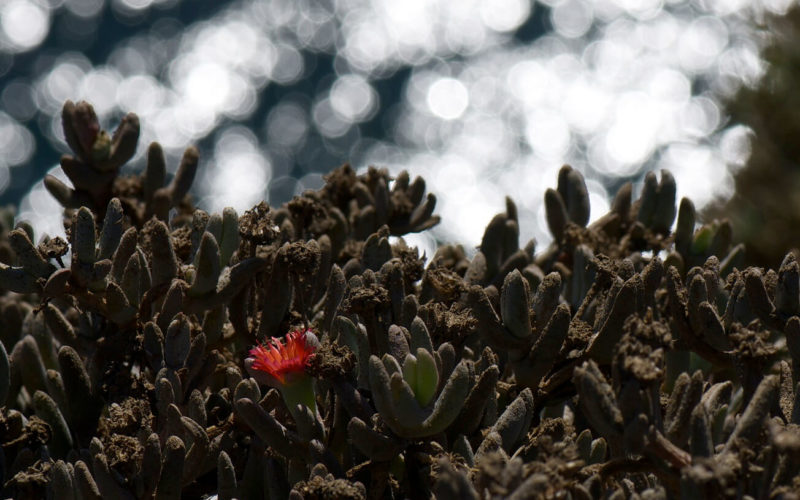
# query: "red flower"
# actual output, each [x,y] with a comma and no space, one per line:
[279,359]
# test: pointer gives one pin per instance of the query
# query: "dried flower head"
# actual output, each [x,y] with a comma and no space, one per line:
[280,359]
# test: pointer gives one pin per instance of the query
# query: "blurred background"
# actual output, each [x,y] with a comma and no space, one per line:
[482,98]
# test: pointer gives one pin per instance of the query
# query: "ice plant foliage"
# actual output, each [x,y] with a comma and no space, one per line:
[279,359]
[592,331]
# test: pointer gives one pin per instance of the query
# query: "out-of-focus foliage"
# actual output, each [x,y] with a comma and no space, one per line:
[765,208]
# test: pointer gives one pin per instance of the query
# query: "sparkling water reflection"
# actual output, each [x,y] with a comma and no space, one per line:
[483,98]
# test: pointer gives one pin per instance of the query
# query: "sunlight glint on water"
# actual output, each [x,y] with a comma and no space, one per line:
[481,115]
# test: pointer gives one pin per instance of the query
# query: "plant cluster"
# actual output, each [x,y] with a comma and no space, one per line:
[146,357]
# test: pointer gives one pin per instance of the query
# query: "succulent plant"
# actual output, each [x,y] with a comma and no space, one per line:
[403,394]
[154,364]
